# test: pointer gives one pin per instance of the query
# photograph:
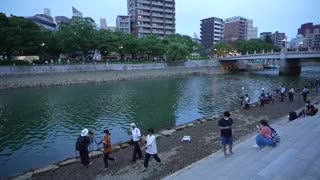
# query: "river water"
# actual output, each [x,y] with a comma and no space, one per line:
[39,126]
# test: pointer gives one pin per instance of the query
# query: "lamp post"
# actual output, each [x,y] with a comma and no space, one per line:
[300,45]
[284,42]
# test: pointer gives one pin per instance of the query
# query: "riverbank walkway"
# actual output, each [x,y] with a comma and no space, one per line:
[297,156]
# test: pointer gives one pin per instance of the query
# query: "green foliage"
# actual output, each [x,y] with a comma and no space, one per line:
[252,45]
[79,40]
[221,48]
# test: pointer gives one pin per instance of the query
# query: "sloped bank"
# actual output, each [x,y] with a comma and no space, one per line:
[205,140]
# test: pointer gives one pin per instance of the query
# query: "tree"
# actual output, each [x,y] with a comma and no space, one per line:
[268,39]
[77,37]
[106,42]
[177,51]
[19,36]
[221,48]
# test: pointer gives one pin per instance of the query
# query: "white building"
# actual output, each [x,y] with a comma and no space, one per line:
[76,12]
[295,42]
[103,23]
[123,24]
[47,11]
[252,32]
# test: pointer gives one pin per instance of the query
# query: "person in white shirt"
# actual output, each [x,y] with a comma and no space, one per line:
[136,134]
[151,149]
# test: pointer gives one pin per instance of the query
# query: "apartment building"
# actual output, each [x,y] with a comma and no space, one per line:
[239,28]
[211,31]
[103,23]
[155,17]
[277,39]
[123,24]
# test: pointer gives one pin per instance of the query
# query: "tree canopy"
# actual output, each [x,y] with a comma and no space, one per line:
[79,39]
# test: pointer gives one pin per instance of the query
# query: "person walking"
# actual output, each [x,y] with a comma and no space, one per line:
[136,134]
[82,146]
[282,92]
[151,149]
[225,126]
[305,93]
[291,91]
[107,149]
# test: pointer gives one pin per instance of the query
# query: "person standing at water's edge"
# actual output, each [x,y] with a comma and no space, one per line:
[305,93]
[151,149]
[291,91]
[136,134]
[107,149]
[225,126]
[282,92]
[82,145]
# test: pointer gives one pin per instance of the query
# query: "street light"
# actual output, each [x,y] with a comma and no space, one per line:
[284,42]
[300,45]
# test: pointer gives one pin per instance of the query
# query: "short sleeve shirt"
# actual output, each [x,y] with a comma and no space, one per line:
[136,134]
[224,123]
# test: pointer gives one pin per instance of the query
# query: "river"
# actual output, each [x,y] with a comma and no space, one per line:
[39,126]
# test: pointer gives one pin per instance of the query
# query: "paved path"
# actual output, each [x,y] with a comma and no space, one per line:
[296,157]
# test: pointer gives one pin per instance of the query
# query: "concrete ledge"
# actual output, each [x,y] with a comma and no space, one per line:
[25,176]
[69,161]
[45,169]
[167,132]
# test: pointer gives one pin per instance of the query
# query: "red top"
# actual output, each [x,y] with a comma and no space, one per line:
[266,132]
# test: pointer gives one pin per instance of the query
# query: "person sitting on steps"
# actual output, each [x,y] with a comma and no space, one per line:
[265,135]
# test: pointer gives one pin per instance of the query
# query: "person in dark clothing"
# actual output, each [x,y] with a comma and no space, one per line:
[305,93]
[262,98]
[311,110]
[82,145]
[282,92]
[225,126]
[291,91]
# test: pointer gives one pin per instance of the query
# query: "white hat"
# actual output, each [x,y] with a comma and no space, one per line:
[84,132]
[133,125]
[262,89]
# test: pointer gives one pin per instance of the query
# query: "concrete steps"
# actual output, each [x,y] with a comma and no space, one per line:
[296,157]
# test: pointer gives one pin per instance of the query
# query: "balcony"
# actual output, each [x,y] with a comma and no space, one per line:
[157,3]
[169,27]
[143,31]
[157,26]
[169,16]
[169,10]
[168,5]
[157,31]
[157,9]
[144,19]
[157,20]
[143,2]
[144,13]
[144,25]
[169,33]
[157,15]
[144,7]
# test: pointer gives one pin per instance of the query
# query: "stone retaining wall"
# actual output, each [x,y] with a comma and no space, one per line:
[15,70]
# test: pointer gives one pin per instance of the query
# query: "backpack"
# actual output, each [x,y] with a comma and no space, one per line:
[292,116]
[275,137]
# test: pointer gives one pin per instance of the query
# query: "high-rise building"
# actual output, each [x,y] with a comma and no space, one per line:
[44,21]
[47,11]
[239,28]
[103,23]
[263,35]
[307,28]
[152,17]
[277,39]
[61,19]
[297,42]
[76,12]
[211,30]
[123,24]
[252,32]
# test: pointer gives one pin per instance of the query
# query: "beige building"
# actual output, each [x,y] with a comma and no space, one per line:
[155,17]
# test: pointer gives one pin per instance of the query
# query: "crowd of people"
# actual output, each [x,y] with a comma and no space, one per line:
[267,136]
[149,144]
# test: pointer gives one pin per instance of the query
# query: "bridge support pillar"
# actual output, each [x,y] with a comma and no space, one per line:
[289,67]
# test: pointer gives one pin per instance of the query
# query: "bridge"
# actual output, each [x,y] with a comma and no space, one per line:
[289,61]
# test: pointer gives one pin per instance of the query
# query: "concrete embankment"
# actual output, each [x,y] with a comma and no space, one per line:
[51,69]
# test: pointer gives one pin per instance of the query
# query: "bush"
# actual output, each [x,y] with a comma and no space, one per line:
[11,62]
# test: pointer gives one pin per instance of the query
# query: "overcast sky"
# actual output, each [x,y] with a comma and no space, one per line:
[268,15]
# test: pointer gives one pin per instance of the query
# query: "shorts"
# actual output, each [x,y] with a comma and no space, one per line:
[225,140]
